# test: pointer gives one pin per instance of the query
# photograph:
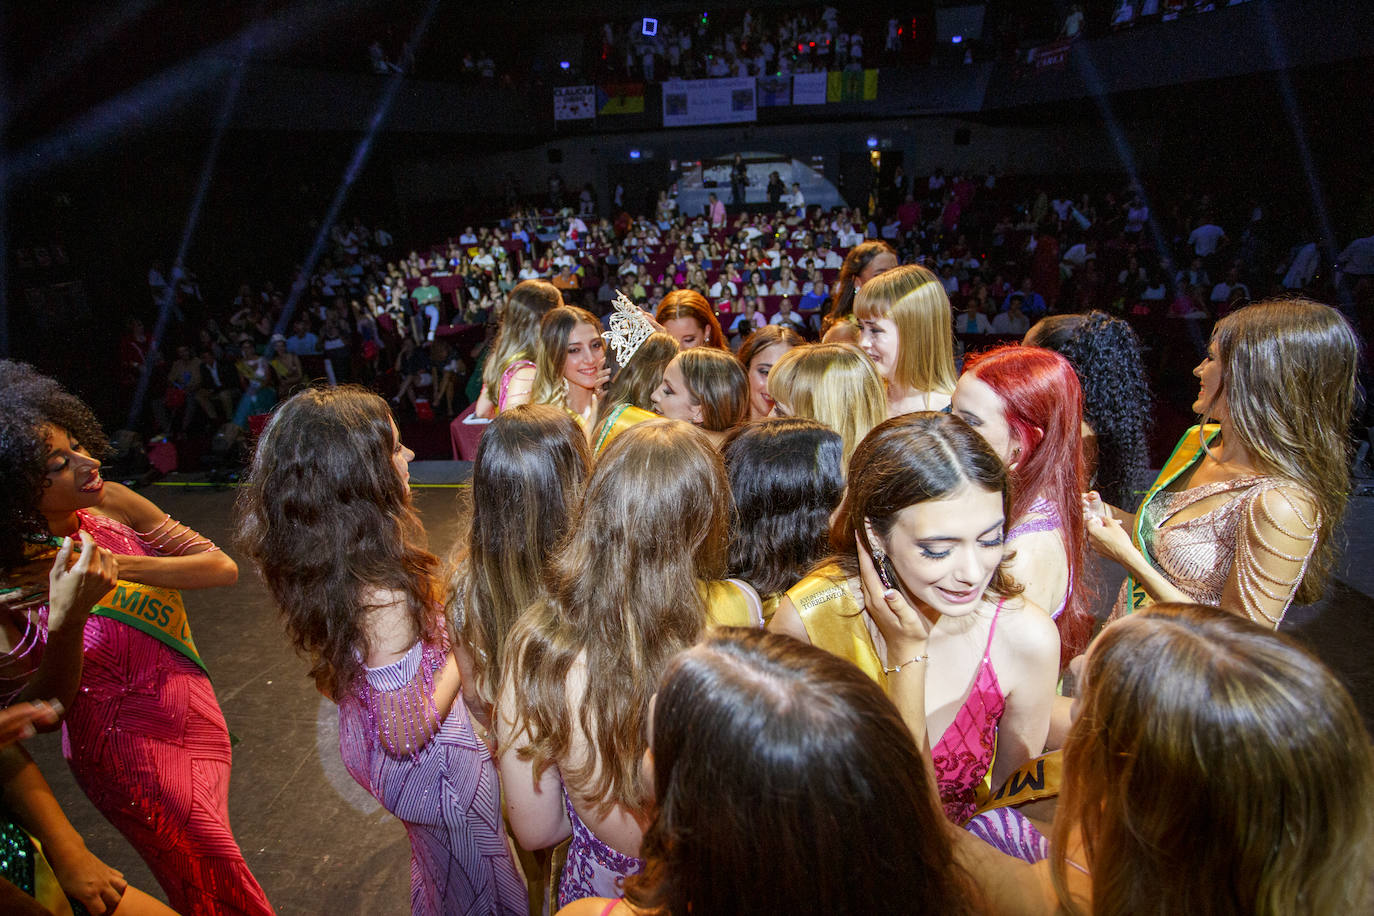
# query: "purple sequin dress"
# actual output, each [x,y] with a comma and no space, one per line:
[440,780]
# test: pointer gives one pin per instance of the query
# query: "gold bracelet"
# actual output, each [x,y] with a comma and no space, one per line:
[896,669]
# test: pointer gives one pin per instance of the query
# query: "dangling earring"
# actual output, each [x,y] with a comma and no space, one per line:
[880,564]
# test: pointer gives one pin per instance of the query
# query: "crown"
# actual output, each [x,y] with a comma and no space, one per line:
[630,327]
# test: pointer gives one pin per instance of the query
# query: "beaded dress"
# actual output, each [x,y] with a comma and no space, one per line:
[1197,555]
[146,741]
[438,777]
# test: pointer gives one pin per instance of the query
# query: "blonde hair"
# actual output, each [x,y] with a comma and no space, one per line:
[716,380]
[915,300]
[1288,376]
[1215,767]
[518,337]
[655,521]
[554,332]
[833,383]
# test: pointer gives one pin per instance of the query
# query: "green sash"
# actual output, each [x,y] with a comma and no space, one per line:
[1184,456]
[621,418]
[159,612]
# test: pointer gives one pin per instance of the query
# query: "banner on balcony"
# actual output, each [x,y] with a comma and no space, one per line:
[717,101]
[620,98]
[851,86]
[808,88]
[574,103]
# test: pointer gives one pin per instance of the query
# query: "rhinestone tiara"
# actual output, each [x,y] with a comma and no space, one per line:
[630,327]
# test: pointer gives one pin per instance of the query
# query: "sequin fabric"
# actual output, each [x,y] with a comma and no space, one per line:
[16,854]
[964,752]
[1196,555]
[439,778]
[146,741]
[1042,516]
[593,869]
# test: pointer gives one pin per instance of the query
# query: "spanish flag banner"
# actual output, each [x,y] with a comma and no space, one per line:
[620,98]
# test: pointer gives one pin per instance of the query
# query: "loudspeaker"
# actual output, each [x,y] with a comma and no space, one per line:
[555,156]
[962,135]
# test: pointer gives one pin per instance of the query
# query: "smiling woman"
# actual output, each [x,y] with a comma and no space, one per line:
[928,502]
[144,736]
[571,362]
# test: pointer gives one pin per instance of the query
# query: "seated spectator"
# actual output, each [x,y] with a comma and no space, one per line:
[1013,320]
[788,318]
[815,298]
[1032,302]
[302,342]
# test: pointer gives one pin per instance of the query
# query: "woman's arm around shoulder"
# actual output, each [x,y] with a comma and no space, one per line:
[1026,656]
[188,559]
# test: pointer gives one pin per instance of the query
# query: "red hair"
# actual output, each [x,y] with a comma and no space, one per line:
[688,303]
[1044,410]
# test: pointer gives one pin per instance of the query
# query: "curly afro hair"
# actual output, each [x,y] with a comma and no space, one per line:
[33,401]
[1105,353]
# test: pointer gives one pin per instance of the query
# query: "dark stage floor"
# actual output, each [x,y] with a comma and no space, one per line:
[320,844]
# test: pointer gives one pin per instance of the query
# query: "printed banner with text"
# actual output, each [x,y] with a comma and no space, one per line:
[573,103]
[717,101]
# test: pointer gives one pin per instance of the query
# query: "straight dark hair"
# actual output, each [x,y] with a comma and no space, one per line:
[764,747]
[787,477]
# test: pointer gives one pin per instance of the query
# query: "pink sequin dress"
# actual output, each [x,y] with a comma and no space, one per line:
[146,741]
[963,755]
[440,780]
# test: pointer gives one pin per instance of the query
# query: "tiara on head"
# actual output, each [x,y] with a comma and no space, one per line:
[630,327]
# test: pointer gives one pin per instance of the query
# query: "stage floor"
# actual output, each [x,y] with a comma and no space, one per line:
[320,844]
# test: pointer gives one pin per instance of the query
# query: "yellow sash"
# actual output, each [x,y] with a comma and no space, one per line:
[729,605]
[835,621]
[1184,456]
[159,612]
[621,418]
[1035,779]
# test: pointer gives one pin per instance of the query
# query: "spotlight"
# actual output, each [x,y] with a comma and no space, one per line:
[564,65]
[872,142]
[634,154]
[956,39]
[650,26]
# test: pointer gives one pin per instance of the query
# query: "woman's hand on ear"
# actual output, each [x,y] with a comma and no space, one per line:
[905,629]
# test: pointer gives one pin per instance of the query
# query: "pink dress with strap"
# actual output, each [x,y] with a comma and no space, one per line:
[146,740]
[963,755]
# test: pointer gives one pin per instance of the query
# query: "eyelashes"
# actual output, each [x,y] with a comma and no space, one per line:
[941,554]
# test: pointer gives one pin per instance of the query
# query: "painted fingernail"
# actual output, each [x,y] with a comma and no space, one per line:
[890,594]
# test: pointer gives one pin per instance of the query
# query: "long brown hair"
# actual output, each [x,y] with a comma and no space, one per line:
[326,518]
[1215,767]
[518,337]
[1288,373]
[654,524]
[532,464]
[688,303]
[555,329]
[637,379]
[764,743]
[716,380]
